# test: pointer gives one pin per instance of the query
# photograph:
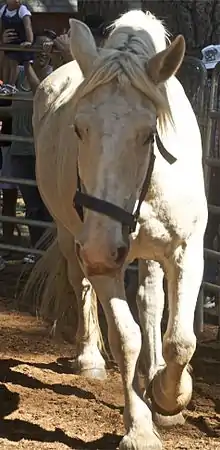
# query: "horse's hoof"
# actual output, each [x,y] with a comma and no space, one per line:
[78,368]
[167,421]
[95,373]
[161,420]
[163,402]
[140,441]
[85,368]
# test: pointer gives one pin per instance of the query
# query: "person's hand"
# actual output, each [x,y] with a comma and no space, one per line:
[9,36]
[47,46]
[62,43]
[26,44]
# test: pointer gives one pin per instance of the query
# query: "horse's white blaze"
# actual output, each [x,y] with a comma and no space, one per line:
[116,109]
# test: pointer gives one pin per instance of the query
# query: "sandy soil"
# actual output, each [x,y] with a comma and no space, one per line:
[42,406]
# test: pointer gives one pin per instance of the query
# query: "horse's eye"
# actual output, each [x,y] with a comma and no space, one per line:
[77,132]
[149,139]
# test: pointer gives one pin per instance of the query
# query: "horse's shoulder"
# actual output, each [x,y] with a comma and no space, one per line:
[54,90]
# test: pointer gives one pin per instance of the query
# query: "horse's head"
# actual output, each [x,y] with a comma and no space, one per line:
[117,108]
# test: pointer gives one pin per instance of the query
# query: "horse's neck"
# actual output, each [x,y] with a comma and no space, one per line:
[185,134]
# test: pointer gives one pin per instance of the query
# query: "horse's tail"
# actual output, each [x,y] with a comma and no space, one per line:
[48,288]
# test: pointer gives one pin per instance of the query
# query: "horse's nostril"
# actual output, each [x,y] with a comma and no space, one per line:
[121,254]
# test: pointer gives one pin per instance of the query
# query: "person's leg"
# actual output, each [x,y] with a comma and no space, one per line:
[13,72]
[9,195]
[9,209]
[10,70]
[5,70]
[24,167]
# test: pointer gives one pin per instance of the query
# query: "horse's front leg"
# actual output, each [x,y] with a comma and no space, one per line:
[171,387]
[125,342]
[150,301]
[88,361]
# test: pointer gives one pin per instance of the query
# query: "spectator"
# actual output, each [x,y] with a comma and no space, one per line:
[61,43]
[23,153]
[16,18]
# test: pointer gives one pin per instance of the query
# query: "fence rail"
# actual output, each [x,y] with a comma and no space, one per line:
[29,222]
[17,181]
[14,97]
[14,138]
[19,249]
[212,162]
[20,49]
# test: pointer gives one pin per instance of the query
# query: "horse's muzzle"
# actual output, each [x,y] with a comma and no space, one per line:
[107,262]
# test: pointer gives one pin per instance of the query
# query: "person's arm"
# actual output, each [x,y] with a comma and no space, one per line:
[28,30]
[25,16]
[62,43]
[32,77]
[1,30]
[2,9]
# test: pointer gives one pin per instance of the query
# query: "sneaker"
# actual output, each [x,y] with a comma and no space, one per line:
[209,302]
[29,259]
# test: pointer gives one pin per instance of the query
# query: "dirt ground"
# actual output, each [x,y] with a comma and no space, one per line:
[42,406]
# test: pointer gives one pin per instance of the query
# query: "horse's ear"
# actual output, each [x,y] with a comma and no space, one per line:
[166,63]
[82,45]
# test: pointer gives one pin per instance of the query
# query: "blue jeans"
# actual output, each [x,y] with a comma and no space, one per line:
[24,167]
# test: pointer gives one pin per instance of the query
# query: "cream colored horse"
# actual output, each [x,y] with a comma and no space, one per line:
[98,115]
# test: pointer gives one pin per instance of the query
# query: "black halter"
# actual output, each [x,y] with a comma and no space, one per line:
[82,200]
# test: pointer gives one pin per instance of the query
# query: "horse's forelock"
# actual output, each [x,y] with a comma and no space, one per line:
[135,38]
[112,66]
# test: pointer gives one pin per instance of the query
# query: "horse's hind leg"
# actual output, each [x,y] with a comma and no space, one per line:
[150,301]
[88,360]
[171,387]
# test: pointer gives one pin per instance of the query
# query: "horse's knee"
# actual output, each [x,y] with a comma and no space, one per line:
[126,343]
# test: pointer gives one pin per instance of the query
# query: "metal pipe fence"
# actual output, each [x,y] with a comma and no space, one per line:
[211,162]
[20,49]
